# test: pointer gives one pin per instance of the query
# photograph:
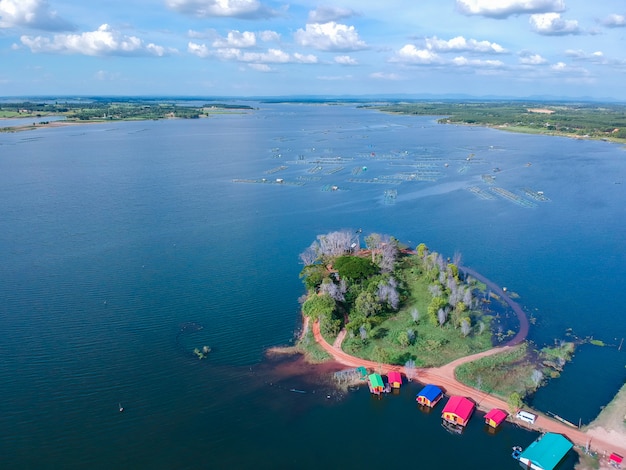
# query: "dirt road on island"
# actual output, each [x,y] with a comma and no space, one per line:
[444,377]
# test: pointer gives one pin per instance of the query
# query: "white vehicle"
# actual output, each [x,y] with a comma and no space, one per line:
[526,416]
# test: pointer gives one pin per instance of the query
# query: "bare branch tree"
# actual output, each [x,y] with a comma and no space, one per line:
[387,293]
[465,327]
[311,254]
[415,314]
[336,291]
[389,254]
[409,368]
[335,243]
[435,290]
[441,316]
[363,332]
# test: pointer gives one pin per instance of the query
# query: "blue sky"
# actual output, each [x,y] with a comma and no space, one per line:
[568,48]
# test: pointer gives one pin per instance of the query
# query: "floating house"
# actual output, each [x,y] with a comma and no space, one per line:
[546,452]
[458,410]
[495,417]
[394,378]
[615,460]
[429,395]
[376,384]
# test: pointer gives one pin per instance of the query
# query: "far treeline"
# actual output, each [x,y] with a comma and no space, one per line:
[113,109]
[579,120]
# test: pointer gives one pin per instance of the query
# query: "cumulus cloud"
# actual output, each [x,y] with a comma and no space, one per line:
[614,21]
[345,60]
[464,62]
[506,8]
[330,36]
[385,76]
[530,58]
[260,67]
[326,14]
[305,58]
[236,39]
[249,9]
[267,36]
[200,50]
[103,42]
[596,57]
[271,56]
[551,24]
[412,55]
[460,44]
[34,14]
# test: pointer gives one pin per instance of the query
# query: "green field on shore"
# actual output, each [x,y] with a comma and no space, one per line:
[578,120]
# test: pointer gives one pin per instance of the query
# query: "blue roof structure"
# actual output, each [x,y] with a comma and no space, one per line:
[430,392]
[546,452]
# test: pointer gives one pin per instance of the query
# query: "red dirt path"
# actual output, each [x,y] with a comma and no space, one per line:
[444,377]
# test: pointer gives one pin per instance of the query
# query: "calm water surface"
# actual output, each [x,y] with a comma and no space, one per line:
[117,236]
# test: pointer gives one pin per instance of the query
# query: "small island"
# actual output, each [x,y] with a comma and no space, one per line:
[389,308]
[97,109]
[414,308]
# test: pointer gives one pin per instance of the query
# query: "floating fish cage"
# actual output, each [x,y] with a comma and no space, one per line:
[536,195]
[276,170]
[390,196]
[480,193]
[519,200]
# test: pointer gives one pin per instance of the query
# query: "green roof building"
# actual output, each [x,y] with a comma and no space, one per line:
[546,452]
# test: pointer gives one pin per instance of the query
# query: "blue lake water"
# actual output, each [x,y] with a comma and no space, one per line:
[116,236]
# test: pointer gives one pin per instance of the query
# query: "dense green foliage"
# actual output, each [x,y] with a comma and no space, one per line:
[589,120]
[354,267]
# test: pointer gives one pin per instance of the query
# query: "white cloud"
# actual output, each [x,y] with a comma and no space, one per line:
[260,67]
[271,56]
[34,14]
[505,8]
[334,77]
[330,36]
[530,58]
[345,60]
[305,58]
[385,76]
[200,50]
[250,9]
[267,36]
[326,14]
[614,21]
[103,76]
[477,63]
[236,39]
[105,41]
[551,24]
[412,55]
[460,44]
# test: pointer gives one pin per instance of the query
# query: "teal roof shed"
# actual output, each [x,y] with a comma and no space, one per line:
[546,452]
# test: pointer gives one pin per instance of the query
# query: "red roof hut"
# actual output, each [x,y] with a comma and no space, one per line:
[394,378]
[615,460]
[458,410]
[495,417]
